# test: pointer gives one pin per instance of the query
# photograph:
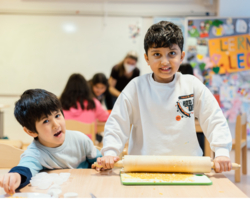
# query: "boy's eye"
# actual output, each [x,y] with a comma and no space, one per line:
[156,54]
[58,115]
[45,121]
[172,53]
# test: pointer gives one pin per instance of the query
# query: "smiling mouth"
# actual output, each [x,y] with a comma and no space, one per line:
[58,133]
[165,69]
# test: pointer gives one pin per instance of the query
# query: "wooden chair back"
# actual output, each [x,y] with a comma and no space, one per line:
[82,127]
[16,143]
[99,148]
[9,156]
[240,145]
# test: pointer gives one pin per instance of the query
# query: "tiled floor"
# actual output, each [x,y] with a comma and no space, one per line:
[244,185]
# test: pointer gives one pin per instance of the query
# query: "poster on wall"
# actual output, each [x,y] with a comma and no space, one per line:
[218,49]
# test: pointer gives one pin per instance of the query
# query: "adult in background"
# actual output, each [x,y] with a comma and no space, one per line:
[123,73]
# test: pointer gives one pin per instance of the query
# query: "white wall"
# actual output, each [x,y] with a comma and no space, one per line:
[233,8]
[37,52]
[28,26]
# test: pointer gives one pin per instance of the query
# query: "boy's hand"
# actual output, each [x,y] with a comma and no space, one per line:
[222,164]
[98,168]
[107,162]
[10,182]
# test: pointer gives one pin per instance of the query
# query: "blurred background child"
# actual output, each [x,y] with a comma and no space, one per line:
[79,104]
[100,89]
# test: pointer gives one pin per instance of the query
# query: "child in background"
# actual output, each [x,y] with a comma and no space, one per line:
[54,147]
[79,104]
[186,68]
[100,89]
[162,106]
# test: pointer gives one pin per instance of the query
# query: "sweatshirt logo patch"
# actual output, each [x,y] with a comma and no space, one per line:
[185,106]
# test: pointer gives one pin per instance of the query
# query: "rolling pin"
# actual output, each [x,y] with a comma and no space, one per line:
[190,164]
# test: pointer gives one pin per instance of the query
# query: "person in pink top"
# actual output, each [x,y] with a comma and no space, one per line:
[78,102]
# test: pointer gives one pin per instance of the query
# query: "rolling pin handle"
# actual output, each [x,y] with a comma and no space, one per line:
[96,165]
[117,164]
[235,166]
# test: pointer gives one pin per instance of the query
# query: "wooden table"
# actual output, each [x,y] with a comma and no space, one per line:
[108,185]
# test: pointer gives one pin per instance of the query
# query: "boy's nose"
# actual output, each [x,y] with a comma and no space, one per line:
[55,125]
[164,61]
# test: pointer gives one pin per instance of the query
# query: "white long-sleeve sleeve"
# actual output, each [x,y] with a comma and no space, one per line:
[117,127]
[212,120]
[162,115]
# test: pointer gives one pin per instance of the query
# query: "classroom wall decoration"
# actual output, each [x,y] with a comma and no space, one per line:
[134,31]
[219,51]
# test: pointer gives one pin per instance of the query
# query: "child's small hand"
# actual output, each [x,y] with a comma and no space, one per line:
[107,162]
[222,164]
[98,168]
[10,182]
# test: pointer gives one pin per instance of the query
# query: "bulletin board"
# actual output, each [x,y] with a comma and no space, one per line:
[218,49]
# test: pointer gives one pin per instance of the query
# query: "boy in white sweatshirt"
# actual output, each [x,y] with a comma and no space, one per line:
[162,107]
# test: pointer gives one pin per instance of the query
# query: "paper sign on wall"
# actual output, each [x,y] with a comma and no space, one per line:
[231,54]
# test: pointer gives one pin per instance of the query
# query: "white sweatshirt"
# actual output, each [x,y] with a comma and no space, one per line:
[163,119]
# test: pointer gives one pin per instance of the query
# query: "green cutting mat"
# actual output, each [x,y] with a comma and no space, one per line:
[164,179]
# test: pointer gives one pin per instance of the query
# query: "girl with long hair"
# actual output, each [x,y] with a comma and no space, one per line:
[79,104]
[100,89]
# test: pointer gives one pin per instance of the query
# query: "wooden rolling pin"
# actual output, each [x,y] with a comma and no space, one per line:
[191,164]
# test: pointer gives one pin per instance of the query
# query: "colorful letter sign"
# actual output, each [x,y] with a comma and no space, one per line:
[231,54]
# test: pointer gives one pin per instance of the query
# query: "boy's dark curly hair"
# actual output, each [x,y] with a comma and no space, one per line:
[163,34]
[34,104]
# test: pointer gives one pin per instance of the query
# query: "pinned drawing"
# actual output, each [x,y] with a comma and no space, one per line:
[229,27]
[193,32]
[190,22]
[202,42]
[204,27]
[217,29]
[208,62]
[241,26]
[134,31]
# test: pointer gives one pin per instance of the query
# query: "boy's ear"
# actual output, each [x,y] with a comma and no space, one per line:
[183,55]
[32,134]
[146,58]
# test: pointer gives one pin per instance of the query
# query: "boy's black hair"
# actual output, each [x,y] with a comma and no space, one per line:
[34,104]
[163,34]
